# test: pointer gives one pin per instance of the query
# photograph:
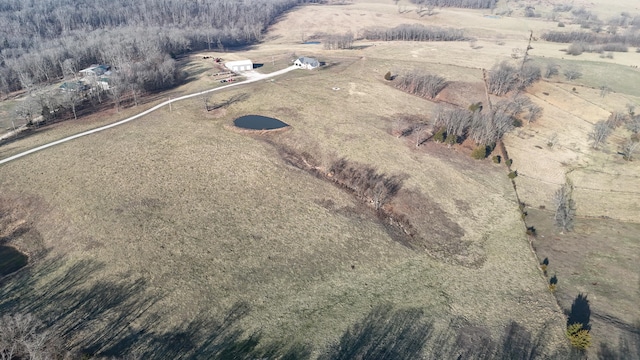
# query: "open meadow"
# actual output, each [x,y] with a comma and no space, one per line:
[178,236]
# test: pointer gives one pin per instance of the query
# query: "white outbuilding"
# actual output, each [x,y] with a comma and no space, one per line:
[239,65]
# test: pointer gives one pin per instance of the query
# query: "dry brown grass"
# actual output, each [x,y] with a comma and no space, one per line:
[208,217]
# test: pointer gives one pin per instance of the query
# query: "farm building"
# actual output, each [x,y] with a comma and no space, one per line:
[95,71]
[239,65]
[74,86]
[306,63]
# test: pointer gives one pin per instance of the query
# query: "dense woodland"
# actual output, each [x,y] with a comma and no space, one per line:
[44,40]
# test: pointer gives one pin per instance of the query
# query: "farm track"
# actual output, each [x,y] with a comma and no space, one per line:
[252,77]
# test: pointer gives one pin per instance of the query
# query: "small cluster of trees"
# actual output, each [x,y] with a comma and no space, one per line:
[469,4]
[365,181]
[338,41]
[414,32]
[603,128]
[484,126]
[629,39]
[419,83]
[572,72]
[505,77]
[578,48]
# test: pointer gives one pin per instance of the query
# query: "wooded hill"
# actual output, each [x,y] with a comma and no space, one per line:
[43,40]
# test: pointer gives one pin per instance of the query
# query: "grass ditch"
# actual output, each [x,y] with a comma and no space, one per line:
[409,217]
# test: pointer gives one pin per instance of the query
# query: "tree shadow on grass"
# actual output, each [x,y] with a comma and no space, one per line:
[624,351]
[628,347]
[205,339]
[580,312]
[84,312]
[386,333]
[95,317]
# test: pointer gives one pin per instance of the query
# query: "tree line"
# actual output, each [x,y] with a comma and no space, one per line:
[470,4]
[630,39]
[38,37]
[414,32]
[578,48]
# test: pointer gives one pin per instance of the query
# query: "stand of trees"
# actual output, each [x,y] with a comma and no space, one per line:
[338,41]
[25,337]
[483,126]
[41,41]
[414,32]
[578,48]
[629,39]
[422,84]
[470,4]
[505,77]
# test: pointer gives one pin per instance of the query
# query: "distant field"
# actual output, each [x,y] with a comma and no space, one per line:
[175,229]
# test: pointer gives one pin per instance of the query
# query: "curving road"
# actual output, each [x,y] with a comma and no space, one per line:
[252,77]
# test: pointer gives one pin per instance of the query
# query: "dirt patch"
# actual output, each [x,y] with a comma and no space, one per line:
[217,113]
[462,93]
[433,230]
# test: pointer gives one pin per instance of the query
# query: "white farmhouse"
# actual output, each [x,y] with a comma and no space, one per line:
[239,65]
[306,63]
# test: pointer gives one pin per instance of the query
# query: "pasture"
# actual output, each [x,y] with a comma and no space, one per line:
[179,235]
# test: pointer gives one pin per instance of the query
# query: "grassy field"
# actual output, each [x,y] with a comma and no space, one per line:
[174,234]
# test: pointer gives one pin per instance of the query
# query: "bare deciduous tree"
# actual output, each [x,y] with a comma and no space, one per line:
[23,337]
[27,109]
[421,133]
[454,120]
[604,90]
[70,100]
[565,207]
[551,69]
[572,73]
[600,133]
[379,195]
[629,148]
[534,112]
[502,78]
[633,124]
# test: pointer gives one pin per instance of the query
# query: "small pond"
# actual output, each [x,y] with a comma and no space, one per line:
[258,122]
[311,43]
[11,260]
